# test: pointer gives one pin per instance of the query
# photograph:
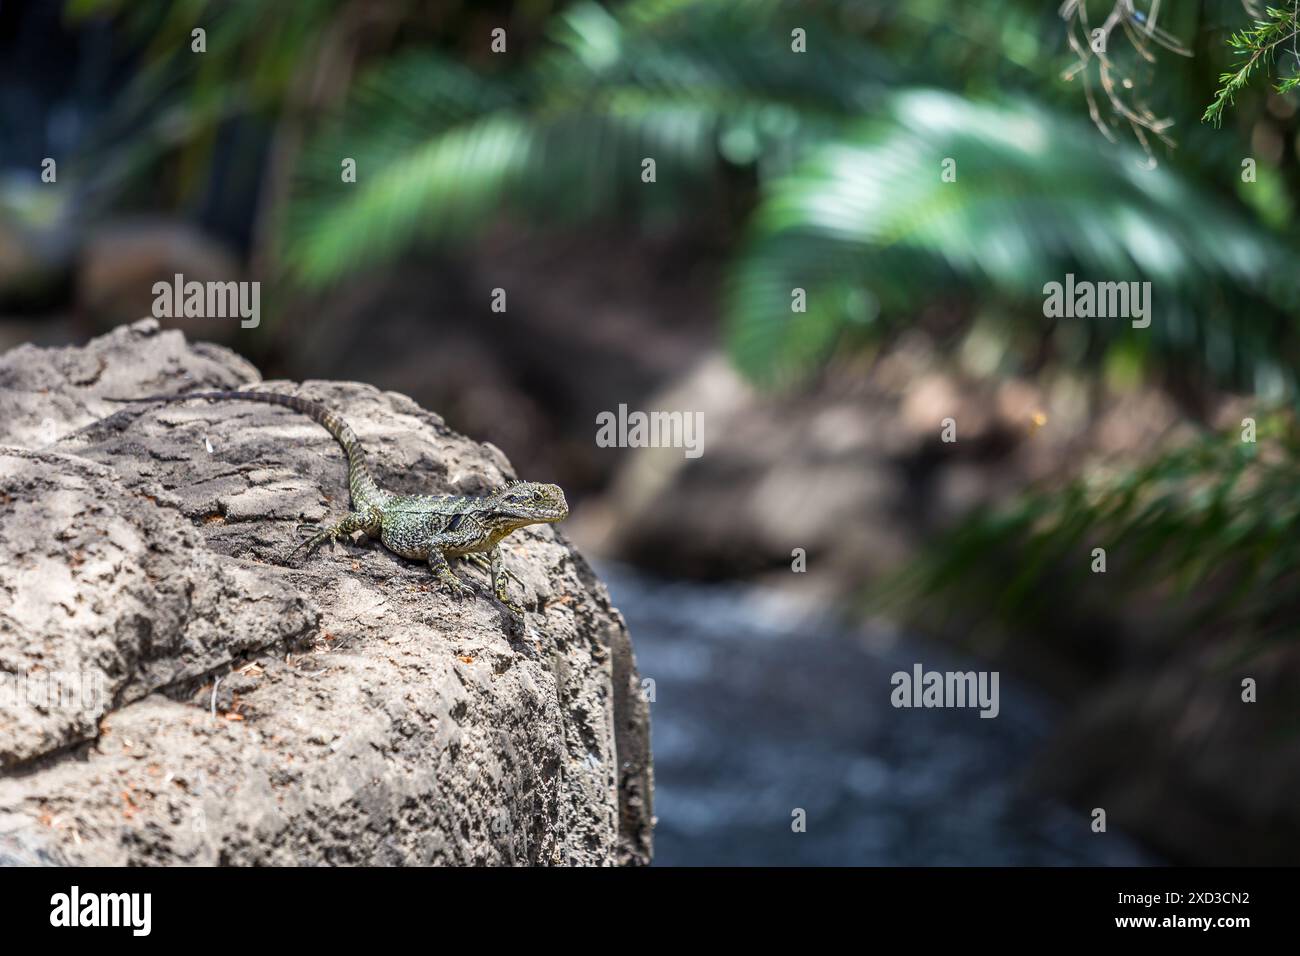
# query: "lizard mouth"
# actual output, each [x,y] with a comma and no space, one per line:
[538,516]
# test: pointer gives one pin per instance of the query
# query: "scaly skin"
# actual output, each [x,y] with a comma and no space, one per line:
[432,528]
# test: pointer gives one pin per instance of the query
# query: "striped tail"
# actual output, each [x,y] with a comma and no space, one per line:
[360,482]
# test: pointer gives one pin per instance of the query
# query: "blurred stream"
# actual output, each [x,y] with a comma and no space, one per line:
[760,708]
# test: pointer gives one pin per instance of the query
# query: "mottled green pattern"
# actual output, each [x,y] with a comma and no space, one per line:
[428,528]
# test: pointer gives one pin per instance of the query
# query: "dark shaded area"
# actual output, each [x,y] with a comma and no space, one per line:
[762,709]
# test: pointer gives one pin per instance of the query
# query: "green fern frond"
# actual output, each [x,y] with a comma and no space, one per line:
[1036,196]
[1209,529]
[689,92]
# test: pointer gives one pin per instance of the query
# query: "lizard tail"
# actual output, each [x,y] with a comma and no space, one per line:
[360,482]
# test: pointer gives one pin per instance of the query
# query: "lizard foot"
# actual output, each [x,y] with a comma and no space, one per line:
[313,537]
[457,588]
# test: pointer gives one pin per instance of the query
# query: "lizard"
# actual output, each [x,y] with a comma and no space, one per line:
[430,528]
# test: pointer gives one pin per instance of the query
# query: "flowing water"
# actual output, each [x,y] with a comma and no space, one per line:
[761,709]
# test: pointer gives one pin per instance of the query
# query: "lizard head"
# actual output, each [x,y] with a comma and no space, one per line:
[529,502]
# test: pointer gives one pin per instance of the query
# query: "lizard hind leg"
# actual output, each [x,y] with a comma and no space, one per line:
[354,522]
[315,537]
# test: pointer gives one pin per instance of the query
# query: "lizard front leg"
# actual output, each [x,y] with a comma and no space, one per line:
[451,541]
[495,566]
[441,569]
[499,577]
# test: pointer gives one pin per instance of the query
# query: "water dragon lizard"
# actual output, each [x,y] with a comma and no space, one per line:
[432,528]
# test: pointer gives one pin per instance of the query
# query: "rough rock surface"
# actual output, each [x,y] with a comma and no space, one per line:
[171,692]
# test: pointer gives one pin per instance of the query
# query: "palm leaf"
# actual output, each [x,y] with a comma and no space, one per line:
[446,151]
[869,218]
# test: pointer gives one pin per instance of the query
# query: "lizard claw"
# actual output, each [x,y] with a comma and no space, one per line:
[459,590]
[314,537]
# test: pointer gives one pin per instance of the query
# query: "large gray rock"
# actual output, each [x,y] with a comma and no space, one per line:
[173,693]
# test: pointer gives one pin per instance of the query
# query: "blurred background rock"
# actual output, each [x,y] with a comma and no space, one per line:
[521,170]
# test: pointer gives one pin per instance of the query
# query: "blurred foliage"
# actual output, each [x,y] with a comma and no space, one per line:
[691,85]
[174,111]
[842,147]
[864,223]
[1208,530]
[842,152]
[854,211]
